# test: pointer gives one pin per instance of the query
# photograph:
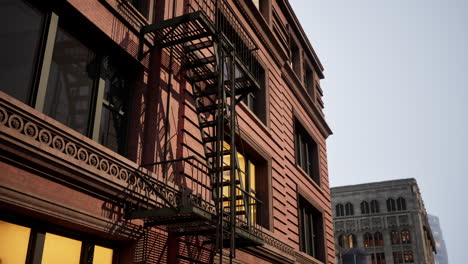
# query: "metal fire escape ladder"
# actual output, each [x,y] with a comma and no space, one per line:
[219,66]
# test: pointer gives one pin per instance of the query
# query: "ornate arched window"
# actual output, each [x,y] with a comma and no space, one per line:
[391,205]
[395,237]
[405,237]
[374,207]
[368,241]
[364,207]
[347,241]
[339,210]
[378,239]
[401,204]
[349,210]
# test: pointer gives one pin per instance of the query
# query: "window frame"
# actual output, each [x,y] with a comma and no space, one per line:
[316,248]
[365,207]
[306,154]
[349,209]
[51,24]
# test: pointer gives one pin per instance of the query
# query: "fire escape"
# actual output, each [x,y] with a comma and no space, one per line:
[218,60]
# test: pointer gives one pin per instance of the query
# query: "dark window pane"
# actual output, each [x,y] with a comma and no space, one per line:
[20,39]
[141,5]
[70,85]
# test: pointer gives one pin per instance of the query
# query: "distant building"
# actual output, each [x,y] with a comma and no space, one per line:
[441,257]
[386,219]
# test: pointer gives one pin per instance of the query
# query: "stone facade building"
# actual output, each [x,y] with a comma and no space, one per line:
[386,219]
[441,257]
[161,131]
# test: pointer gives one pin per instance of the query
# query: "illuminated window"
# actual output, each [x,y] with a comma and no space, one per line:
[102,255]
[405,237]
[14,241]
[368,241]
[347,241]
[251,171]
[59,250]
[408,257]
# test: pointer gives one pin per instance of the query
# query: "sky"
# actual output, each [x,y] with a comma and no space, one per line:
[396,98]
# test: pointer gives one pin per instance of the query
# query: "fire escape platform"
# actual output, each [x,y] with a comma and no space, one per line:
[181,30]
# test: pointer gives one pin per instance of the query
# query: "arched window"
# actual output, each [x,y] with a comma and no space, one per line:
[364,207]
[391,205]
[374,207]
[347,241]
[349,209]
[378,238]
[352,241]
[339,210]
[343,241]
[368,241]
[405,237]
[401,204]
[395,237]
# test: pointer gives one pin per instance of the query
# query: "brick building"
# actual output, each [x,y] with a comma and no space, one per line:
[161,131]
[386,219]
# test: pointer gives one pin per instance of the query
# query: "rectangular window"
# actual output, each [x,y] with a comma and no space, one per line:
[306,152]
[143,6]
[378,258]
[21,41]
[408,256]
[256,100]
[397,258]
[59,249]
[14,241]
[252,174]
[20,243]
[311,230]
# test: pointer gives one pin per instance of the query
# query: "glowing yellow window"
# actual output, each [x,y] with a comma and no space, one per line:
[102,255]
[59,250]
[13,243]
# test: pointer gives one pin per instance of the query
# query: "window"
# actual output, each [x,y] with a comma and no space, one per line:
[395,237]
[368,241]
[79,86]
[311,230]
[19,243]
[264,7]
[20,51]
[408,257]
[405,237]
[349,210]
[14,241]
[374,206]
[250,173]
[401,204]
[378,238]
[378,258]
[256,100]
[339,210]
[143,6]
[306,153]
[364,207]
[347,241]
[391,205]
[397,258]
[295,58]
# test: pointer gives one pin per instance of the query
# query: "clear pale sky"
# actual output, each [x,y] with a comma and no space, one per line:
[396,97]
